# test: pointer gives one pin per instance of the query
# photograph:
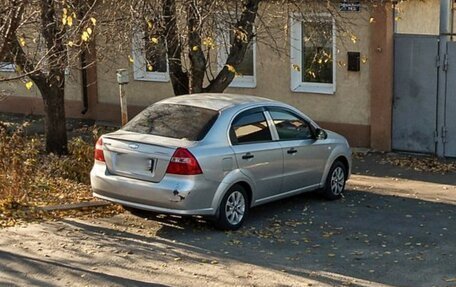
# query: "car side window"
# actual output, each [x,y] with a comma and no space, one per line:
[289,126]
[250,127]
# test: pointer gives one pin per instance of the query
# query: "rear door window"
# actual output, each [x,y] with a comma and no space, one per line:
[173,121]
[250,127]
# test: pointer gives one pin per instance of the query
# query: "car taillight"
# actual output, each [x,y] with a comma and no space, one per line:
[99,150]
[183,162]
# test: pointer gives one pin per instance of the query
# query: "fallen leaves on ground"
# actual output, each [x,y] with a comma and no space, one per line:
[421,163]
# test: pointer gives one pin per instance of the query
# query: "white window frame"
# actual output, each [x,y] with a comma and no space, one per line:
[140,72]
[239,81]
[7,67]
[297,85]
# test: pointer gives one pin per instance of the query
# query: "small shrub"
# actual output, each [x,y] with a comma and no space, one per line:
[74,166]
[18,163]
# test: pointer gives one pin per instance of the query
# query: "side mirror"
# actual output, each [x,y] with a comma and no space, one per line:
[321,134]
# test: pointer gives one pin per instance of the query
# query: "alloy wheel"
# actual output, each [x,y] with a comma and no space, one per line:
[235,208]
[337,180]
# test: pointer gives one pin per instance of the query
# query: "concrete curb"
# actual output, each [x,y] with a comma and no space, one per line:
[79,205]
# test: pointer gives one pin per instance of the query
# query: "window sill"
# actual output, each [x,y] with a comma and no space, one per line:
[326,89]
[156,77]
[246,82]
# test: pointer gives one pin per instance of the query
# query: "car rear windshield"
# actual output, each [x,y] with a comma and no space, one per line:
[173,121]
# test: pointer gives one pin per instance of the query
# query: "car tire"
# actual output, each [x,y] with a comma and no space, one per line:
[335,181]
[233,209]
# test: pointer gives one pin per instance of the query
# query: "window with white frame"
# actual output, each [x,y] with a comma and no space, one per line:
[246,71]
[149,56]
[313,68]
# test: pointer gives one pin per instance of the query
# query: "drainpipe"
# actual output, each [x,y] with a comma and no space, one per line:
[85,92]
[445,36]
[446,16]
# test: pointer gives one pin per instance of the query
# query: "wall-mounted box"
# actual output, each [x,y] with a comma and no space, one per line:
[353,59]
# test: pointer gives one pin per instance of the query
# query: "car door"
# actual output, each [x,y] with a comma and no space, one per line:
[257,155]
[304,156]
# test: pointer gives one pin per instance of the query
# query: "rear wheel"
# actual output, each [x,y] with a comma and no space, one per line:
[233,209]
[335,181]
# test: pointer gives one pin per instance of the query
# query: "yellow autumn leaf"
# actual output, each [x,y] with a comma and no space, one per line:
[85,36]
[371,20]
[154,40]
[354,39]
[209,42]
[89,31]
[18,68]
[296,67]
[65,11]
[195,48]
[231,68]
[64,20]
[29,85]
[93,20]
[70,43]
[70,21]
[22,41]
[364,59]
[149,24]
[130,59]
[149,67]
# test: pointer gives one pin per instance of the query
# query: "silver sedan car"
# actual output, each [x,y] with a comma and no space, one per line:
[217,155]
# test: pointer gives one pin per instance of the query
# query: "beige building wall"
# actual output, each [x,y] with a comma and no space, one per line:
[349,105]
[418,17]
[73,86]
[139,92]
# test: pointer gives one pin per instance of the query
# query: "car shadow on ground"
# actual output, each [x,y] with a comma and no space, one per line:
[360,239]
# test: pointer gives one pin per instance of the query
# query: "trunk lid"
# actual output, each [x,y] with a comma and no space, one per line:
[140,156]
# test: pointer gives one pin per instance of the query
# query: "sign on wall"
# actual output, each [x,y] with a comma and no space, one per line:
[349,6]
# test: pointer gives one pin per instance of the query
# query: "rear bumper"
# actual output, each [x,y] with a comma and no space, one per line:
[206,211]
[183,195]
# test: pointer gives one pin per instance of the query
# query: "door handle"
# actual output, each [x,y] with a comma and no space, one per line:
[248,156]
[292,151]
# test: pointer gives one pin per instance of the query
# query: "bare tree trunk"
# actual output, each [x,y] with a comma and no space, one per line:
[53,87]
[238,47]
[196,55]
[54,120]
[179,78]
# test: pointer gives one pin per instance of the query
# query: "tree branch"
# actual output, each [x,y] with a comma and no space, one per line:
[9,27]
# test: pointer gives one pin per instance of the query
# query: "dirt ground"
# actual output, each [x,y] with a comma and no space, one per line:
[395,227]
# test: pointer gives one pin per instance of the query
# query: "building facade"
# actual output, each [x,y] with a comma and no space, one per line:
[352,94]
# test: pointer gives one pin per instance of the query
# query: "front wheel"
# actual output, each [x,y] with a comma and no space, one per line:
[335,181]
[233,209]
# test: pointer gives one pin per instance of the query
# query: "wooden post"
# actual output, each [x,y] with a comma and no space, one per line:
[123,105]
[122,79]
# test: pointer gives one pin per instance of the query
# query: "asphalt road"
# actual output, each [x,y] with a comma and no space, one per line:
[365,239]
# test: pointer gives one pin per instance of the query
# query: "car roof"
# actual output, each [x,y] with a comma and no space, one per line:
[216,101]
